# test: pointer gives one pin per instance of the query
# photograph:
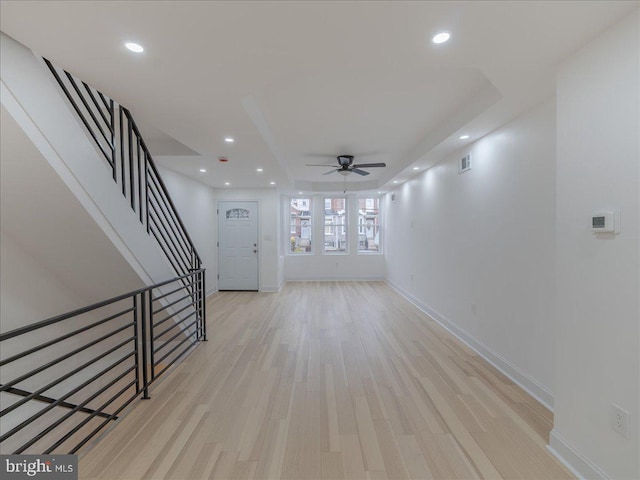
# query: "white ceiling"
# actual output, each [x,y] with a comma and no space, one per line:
[291,80]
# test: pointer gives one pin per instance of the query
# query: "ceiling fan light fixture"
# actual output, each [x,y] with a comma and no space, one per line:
[346,166]
[345,160]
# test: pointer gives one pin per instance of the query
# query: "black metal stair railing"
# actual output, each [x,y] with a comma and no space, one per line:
[65,379]
[58,402]
[117,137]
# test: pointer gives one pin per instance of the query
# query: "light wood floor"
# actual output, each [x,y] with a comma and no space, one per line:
[328,381]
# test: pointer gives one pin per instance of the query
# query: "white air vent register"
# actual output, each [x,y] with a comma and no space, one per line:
[465,164]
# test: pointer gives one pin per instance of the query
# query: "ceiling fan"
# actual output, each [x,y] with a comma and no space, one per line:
[346,166]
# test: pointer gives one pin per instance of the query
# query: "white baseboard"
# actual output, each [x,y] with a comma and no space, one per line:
[577,463]
[531,386]
[270,289]
[334,279]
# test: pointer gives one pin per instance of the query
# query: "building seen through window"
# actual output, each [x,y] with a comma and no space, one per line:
[335,225]
[300,225]
[339,230]
[368,225]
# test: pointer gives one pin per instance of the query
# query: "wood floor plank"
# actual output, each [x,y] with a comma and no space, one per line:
[332,411]
[310,384]
[461,434]
[367,435]
[430,446]
[179,456]
[208,456]
[332,465]
[393,463]
[413,459]
[352,457]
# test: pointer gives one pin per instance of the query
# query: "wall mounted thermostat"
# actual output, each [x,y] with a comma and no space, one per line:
[605,222]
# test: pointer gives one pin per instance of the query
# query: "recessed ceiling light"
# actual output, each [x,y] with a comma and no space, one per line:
[416,168]
[227,183]
[379,192]
[272,183]
[134,47]
[395,181]
[229,140]
[299,193]
[441,37]
[464,137]
[203,170]
[259,170]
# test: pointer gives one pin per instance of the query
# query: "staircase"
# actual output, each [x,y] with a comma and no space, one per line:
[63,380]
[116,136]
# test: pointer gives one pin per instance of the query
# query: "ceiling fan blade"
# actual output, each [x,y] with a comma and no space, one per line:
[369,165]
[331,171]
[318,165]
[359,172]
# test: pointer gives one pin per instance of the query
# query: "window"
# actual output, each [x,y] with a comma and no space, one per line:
[368,225]
[335,225]
[300,225]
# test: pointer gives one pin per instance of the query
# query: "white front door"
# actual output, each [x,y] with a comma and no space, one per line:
[238,245]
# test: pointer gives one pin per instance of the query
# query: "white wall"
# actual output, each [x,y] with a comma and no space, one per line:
[196,204]
[31,96]
[55,258]
[476,249]
[29,292]
[270,264]
[598,276]
[319,266]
